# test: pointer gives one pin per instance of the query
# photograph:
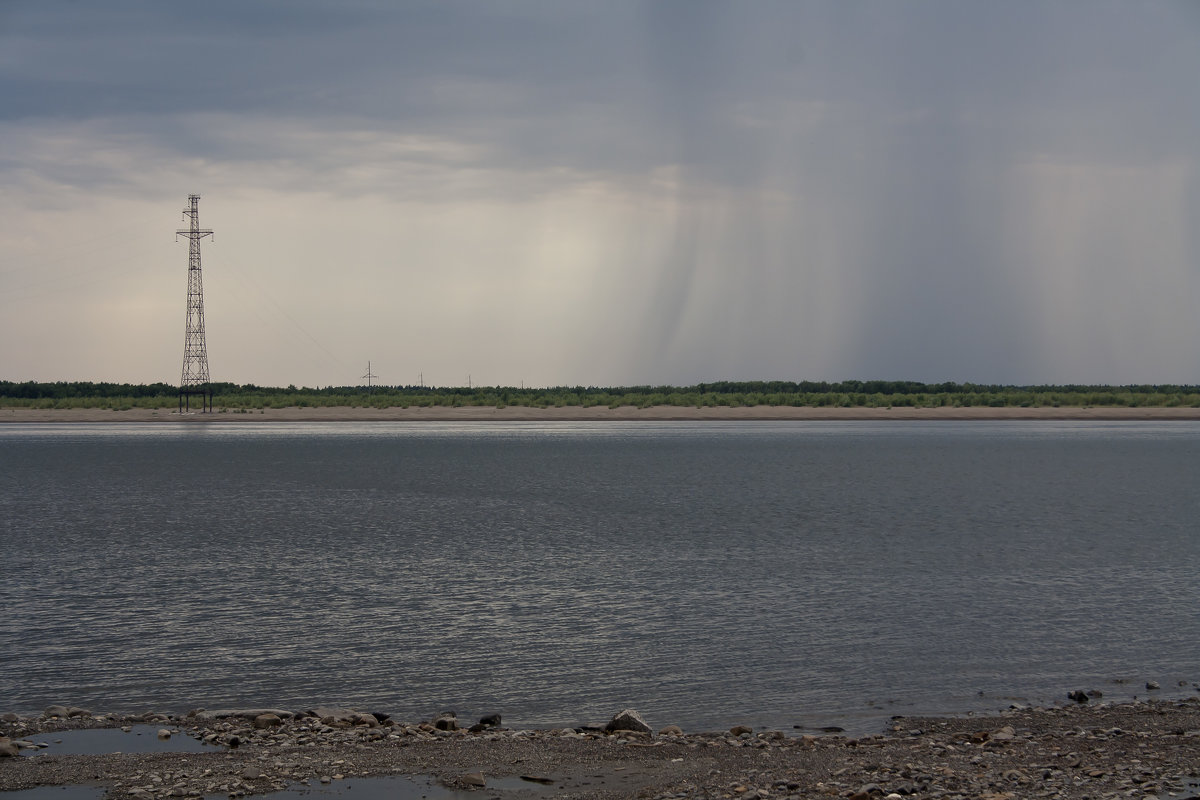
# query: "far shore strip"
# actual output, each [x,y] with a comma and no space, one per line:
[595,414]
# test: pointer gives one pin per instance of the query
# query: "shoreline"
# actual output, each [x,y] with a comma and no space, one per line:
[599,414]
[1145,748]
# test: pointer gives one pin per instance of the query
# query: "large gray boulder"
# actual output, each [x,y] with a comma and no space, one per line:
[627,720]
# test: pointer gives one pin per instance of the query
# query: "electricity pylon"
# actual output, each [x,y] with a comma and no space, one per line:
[195,352]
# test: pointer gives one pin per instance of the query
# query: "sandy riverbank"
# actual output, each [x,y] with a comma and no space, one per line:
[593,414]
[1141,749]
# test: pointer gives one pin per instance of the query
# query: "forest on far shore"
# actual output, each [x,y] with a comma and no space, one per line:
[845,394]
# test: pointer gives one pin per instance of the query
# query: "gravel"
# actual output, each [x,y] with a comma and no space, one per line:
[1095,751]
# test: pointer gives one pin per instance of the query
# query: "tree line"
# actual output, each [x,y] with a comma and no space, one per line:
[847,394]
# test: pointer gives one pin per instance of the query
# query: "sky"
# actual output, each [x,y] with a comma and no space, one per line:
[603,193]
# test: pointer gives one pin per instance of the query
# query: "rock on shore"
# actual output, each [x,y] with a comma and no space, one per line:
[1091,750]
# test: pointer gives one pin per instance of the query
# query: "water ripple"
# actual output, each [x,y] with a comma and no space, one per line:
[773,573]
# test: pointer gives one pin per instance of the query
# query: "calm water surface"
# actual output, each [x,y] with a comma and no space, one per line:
[782,574]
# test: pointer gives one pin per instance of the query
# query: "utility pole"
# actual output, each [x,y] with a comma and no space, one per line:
[369,376]
[194,379]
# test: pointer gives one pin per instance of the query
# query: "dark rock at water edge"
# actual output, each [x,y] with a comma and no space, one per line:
[486,722]
[242,713]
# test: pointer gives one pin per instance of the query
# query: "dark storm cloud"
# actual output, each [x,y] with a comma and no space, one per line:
[609,86]
[618,85]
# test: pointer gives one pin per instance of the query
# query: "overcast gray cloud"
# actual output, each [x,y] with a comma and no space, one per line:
[604,193]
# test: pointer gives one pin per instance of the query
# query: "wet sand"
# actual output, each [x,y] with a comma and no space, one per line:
[594,414]
[1091,750]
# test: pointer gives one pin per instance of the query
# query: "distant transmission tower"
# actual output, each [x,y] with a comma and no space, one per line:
[370,376]
[195,353]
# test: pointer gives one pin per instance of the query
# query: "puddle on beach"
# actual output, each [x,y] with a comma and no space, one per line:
[379,788]
[101,741]
[56,793]
[402,788]
[1190,790]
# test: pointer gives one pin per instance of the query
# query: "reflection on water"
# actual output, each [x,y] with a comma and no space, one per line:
[774,574]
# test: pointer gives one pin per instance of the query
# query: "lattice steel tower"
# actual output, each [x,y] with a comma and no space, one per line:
[195,353]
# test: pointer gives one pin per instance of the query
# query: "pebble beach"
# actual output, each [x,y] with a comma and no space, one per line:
[1079,750]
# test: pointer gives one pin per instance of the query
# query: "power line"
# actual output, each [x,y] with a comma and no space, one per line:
[369,376]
